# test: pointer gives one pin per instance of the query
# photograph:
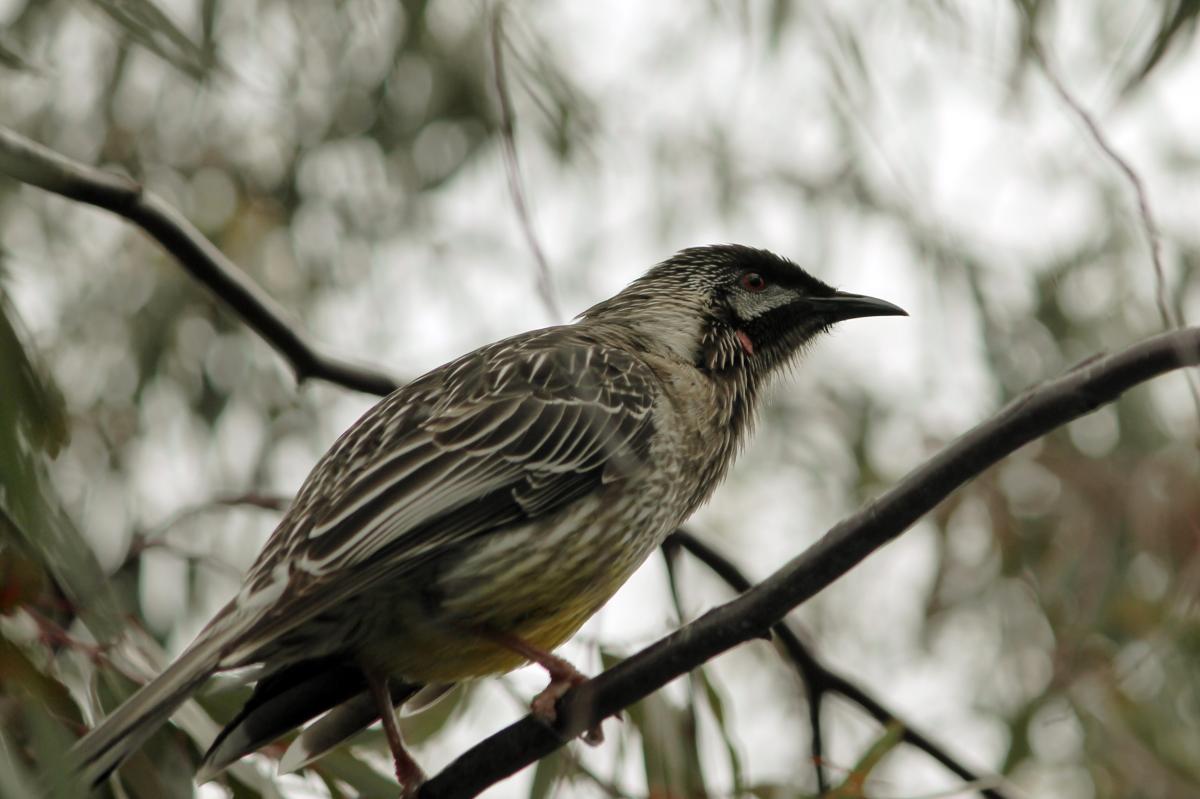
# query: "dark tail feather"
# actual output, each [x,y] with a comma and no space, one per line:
[341,723]
[279,704]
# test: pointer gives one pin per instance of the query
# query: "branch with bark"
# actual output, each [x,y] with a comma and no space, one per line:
[820,680]
[31,163]
[1080,391]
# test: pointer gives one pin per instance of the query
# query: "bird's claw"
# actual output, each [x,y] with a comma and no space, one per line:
[545,705]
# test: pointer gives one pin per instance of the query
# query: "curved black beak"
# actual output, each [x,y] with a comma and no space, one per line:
[842,305]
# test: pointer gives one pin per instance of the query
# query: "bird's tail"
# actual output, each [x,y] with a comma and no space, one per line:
[124,731]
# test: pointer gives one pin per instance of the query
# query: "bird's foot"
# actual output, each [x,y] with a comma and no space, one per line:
[563,677]
[410,777]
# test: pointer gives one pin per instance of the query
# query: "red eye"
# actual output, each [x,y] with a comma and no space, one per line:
[753,281]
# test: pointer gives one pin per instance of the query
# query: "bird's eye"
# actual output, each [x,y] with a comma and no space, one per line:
[753,281]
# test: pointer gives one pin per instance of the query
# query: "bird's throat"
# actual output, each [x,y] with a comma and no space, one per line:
[744,339]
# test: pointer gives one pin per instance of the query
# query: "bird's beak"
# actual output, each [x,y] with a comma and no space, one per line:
[842,305]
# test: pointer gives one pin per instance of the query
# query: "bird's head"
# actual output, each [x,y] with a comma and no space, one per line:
[734,310]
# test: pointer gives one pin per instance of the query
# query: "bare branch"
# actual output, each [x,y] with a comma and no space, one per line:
[721,566]
[820,679]
[752,614]
[1149,227]
[512,168]
[39,166]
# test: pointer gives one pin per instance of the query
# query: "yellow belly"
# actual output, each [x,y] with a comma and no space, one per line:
[436,651]
[539,584]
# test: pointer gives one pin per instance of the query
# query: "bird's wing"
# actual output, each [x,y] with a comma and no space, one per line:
[502,436]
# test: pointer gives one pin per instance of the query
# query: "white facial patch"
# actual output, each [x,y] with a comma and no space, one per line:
[748,306]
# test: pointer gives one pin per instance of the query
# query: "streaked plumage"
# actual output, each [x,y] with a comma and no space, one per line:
[509,492]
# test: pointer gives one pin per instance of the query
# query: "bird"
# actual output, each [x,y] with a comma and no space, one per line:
[472,521]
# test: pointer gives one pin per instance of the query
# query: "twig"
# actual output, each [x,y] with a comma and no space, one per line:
[815,688]
[1149,227]
[1043,409]
[31,163]
[154,538]
[818,677]
[512,168]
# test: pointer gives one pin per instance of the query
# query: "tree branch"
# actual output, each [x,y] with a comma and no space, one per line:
[814,688]
[1080,391]
[31,163]
[817,677]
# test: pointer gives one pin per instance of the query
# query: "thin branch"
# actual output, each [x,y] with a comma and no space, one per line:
[680,540]
[512,168]
[31,163]
[818,677]
[155,538]
[752,614]
[1149,227]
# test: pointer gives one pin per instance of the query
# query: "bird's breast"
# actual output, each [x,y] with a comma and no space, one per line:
[699,422]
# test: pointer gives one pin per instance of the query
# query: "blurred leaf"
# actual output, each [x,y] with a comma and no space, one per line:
[778,17]
[717,705]
[13,60]
[550,769]
[46,741]
[31,406]
[670,752]
[771,790]
[333,786]
[33,424]
[38,540]
[421,726]
[22,580]
[17,670]
[1179,23]
[222,701]
[57,545]
[853,786]
[35,707]
[147,25]
[161,768]
[15,779]
[343,765]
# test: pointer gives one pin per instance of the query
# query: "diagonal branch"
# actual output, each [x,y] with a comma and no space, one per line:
[1044,408]
[30,162]
[721,566]
[819,679]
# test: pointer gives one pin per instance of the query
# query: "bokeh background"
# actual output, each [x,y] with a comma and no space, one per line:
[350,157]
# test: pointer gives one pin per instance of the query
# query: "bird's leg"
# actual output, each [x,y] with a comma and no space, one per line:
[563,677]
[408,773]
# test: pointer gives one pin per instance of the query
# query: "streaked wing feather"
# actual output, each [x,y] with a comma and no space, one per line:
[498,438]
